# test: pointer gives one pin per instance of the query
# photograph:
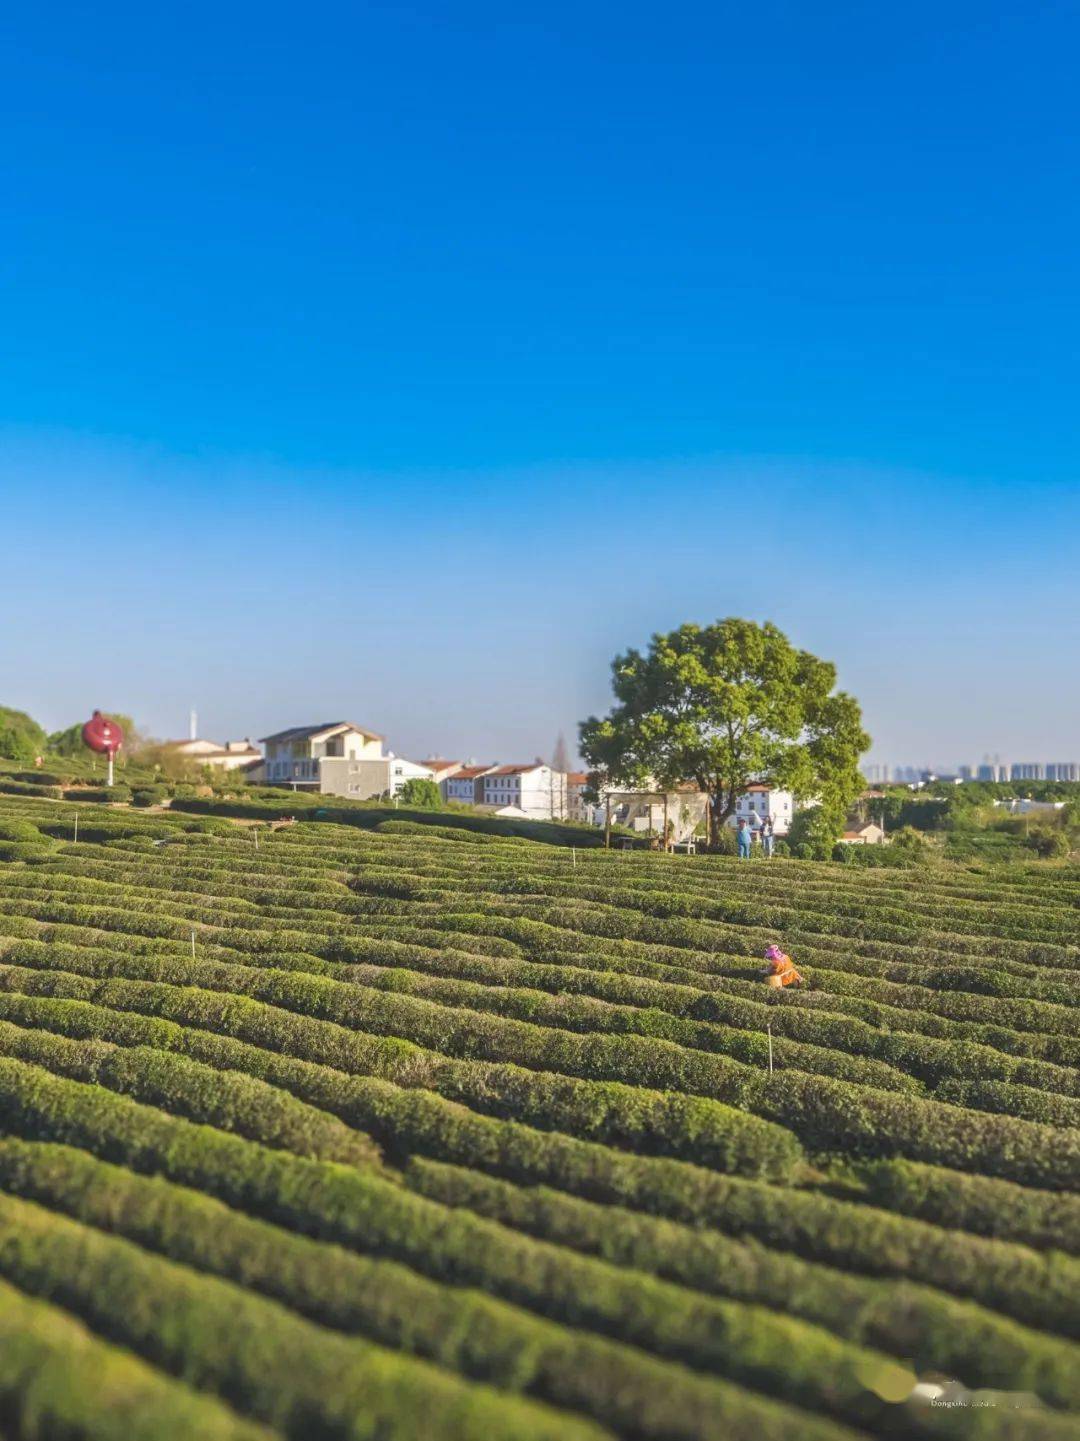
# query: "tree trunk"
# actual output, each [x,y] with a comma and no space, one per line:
[716,820]
[721,809]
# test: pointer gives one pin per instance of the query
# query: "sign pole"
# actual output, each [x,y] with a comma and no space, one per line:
[770,1047]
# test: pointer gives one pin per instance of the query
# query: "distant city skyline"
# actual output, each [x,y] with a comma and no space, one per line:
[996,768]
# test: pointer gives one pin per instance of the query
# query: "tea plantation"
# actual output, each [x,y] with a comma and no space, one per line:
[415,1132]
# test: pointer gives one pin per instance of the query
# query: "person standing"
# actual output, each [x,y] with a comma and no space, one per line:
[744,837]
[767,836]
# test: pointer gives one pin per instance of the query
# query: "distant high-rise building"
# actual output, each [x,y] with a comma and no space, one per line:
[966,773]
[1028,771]
[1063,771]
[993,768]
[876,774]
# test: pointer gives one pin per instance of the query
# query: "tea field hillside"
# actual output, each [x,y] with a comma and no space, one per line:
[416,1131]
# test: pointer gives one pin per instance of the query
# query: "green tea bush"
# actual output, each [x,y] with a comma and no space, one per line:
[296,1377]
[462,1330]
[439,1103]
[58,1379]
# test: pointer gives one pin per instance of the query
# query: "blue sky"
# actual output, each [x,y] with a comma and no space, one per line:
[405,363]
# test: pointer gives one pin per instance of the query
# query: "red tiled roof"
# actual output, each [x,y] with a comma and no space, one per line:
[577,778]
[469,773]
[516,770]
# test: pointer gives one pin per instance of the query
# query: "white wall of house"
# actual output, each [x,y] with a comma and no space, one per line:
[536,790]
[231,756]
[760,801]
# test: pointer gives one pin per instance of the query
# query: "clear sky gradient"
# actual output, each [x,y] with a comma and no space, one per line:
[402,363]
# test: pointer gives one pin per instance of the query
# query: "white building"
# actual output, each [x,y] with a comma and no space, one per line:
[233,755]
[534,791]
[293,756]
[1026,806]
[759,801]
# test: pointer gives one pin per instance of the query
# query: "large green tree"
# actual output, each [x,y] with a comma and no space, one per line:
[21,738]
[725,705]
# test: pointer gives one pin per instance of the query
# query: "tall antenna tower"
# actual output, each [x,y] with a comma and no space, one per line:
[193,725]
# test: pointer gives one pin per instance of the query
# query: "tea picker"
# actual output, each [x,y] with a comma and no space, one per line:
[779,969]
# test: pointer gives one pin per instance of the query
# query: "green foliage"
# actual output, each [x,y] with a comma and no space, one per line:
[1047,842]
[935,1330]
[814,830]
[21,738]
[150,795]
[57,1379]
[117,794]
[975,1203]
[419,793]
[724,705]
[28,788]
[296,1377]
[428,1093]
[461,1330]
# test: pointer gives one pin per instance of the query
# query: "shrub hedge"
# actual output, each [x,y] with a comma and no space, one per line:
[296,1377]
[461,1329]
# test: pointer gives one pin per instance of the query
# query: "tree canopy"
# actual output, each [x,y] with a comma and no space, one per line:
[21,738]
[724,706]
[420,793]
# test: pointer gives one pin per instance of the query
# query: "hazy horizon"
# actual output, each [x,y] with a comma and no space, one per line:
[200,592]
[406,367]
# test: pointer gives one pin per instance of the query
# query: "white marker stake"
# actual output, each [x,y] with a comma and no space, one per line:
[573,852]
[769,1028]
[256,834]
[76,840]
[193,945]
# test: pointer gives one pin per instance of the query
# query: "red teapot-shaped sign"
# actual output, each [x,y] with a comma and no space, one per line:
[102,734]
